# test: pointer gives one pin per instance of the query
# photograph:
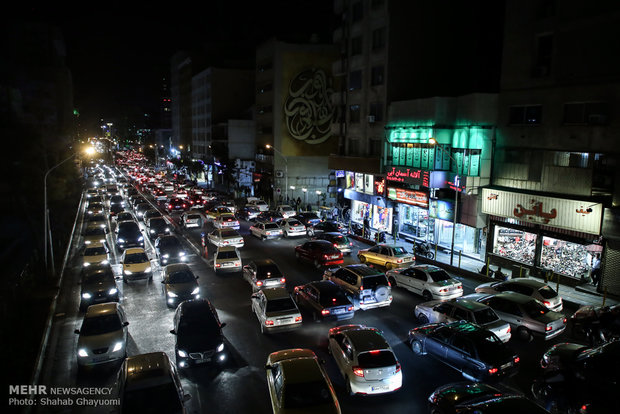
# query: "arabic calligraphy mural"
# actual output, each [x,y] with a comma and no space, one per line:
[308,108]
[535,211]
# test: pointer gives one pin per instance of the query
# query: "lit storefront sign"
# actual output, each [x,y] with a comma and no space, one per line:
[339,174]
[382,218]
[349,180]
[408,176]
[369,184]
[416,198]
[582,216]
[359,182]
[441,209]
[380,186]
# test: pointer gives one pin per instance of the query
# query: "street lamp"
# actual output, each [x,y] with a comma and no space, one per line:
[285,166]
[433,141]
[292,189]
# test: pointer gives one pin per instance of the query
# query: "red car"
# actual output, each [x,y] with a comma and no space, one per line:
[319,252]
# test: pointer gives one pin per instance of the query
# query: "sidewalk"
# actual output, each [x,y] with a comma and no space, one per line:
[470,267]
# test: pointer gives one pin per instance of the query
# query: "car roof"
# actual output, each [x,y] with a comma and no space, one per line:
[226,248]
[469,304]
[325,285]
[427,267]
[537,284]
[95,244]
[514,297]
[175,267]
[264,262]
[276,293]
[196,306]
[363,270]
[146,367]
[366,339]
[301,370]
[133,250]
[101,309]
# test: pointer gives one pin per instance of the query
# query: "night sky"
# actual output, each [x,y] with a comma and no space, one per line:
[118,54]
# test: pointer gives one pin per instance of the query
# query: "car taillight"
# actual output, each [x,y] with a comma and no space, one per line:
[564,320]
[259,283]
[444,290]
[283,280]
[184,205]
[399,261]
[325,257]
[358,371]
[397,367]
[268,322]
[225,242]
[350,308]
[460,287]
[548,328]
[218,265]
[325,312]
[335,244]
[237,264]
[547,303]
[362,287]
[350,243]
[493,371]
[169,205]
[298,319]
[389,284]
[508,330]
[517,359]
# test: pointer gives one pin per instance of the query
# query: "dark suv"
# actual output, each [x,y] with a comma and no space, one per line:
[128,234]
[169,250]
[366,287]
[199,337]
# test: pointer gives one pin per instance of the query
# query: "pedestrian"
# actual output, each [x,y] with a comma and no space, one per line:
[298,203]
[366,226]
[596,269]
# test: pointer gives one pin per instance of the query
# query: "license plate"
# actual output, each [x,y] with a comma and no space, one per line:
[100,359]
[338,311]
[508,365]
[333,257]
[202,361]
[285,321]
[227,264]
[380,388]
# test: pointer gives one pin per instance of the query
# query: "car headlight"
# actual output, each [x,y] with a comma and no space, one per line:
[86,295]
[196,291]
[167,229]
[86,264]
[152,231]
[182,353]
[165,256]
[106,261]
[140,238]
[121,240]
[112,291]
[220,348]
[102,226]
[148,269]
[87,242]
[117,346]
[172,295]
[82,352]
[101,240]
[181,253]
[127,272]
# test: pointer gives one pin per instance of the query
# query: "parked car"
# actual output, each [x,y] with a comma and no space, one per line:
[390,257]
[199,336]
[429,281]
[323,300]
[128,234]
[226,258]
[286,211]
[339,240]
[266,230]
[469,348]
[366,288]
[169,250]
[320,227]
[454,310]
[319,252]
[179,283]
[150,383]
[136,265]
[298,383]
[365,360]
[96,253]
[526,286]
[527,316]
[226,221]
[97,285]
[226,237]
[192,218]
[263,273]
[103,335]
[157,226]
[307,218]
[275,310]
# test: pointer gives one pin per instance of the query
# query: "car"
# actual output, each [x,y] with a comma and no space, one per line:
[214,212]
[469,348]
[116,209]
[198,333]
[365,359]
[339,240]
[226,237]
[527,286]
[298,383]
[128,234]
[226,259]
[157,226]
[92,192]
[390,257]
[291,227]
[176,204]
[328,226]
[307,218]
[95,253]
[248,213]
[459,309]
[260,204]
[179,283]
[124,216]
[275,310]
[150,213]
[265,231]
[429,281]
[97,219]
[263,273]
[269,216]
[323,300]
[136,200]
[478,397]
[103,335]
[192,218]
[95,234]
[286,211]
[319,252]
[527,316]
[366,287]
[95,208]
[136,265]
[97,285]
[169,249]
[226,221]
[150,383]
[230,205]
[117,199]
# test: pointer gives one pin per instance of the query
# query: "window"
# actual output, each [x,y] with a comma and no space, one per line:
[356,45]
[525,115]
[378,38]
[355,80]
[461,314]
[375,146]
[375,111]
[544,51]
[464,345]
[357,11]
[590,113]
[354,114]
[376,76]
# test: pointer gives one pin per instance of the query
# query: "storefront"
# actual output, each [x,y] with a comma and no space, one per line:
[543,234]
[368,205]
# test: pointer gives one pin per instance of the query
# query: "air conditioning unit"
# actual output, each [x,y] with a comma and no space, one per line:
[279,174]
[371,119]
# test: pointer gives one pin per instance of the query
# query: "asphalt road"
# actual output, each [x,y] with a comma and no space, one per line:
[240,386]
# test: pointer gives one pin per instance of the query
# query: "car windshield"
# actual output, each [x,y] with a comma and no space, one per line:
[269,226]
[547,293]
[371,282]
[439,275]
[228,233]
[376,359]
[227,255]
[294,223]
[534,308]
[305,394]
[94,251]
[334,298]
[198,325]
[193,217]
[133,258]
[161,398]
[267,271]
[181,276]
[281,305]
[485,316]
[98,277]
[99,325]
[93,231]
[168,242]
[97,217]
[124,216]
[399,251]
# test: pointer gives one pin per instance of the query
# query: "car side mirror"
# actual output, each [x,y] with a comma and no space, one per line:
[77,331]
[223,324]
[173,332]
[186,397]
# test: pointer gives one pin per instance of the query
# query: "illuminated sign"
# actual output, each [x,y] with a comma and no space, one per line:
[408,176]
[339,174]
[415,198]
[380,186]
[441,209]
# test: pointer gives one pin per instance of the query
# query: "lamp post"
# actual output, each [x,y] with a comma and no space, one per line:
[285,166]
[433,141]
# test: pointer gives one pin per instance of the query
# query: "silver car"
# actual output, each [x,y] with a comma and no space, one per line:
[430,281]
[527,316]
[437,311]
[275,310]
[103,335]
[527,286]
[226,237]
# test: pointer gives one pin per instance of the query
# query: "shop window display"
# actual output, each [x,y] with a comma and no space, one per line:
[566,258]
[515,244]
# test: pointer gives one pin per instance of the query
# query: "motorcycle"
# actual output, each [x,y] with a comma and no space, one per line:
[423,249]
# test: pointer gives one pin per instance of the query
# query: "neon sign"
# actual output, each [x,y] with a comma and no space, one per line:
[409,176]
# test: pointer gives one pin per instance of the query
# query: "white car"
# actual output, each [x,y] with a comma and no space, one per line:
[275,310]
[226,221]
[286,211]
[192,219]
[429,281]
[226,237]
[365,360]
[136,265]
[261,204]
[460,309]
[526,286]
[292,227]
[266,230]
[103,335]
[226,258]
[96,253]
